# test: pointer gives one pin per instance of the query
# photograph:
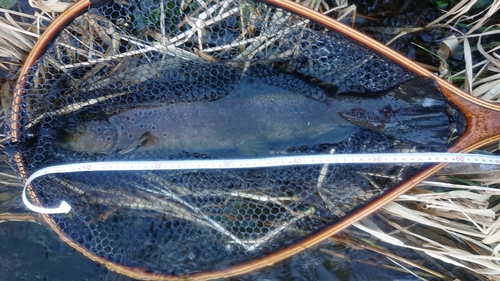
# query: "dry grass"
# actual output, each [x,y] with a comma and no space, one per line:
[442,219]
[480,78]
[19,33]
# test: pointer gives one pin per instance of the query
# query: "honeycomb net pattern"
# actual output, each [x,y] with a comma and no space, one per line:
[142,55]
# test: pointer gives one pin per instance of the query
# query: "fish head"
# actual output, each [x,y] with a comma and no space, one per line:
[93,137]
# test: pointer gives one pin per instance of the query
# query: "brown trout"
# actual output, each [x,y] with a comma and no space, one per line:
[259,114]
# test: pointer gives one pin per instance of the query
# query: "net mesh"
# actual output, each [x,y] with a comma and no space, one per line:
[133,67]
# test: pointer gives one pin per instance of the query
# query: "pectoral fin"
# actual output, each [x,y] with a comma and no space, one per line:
[256,147]
[146,140]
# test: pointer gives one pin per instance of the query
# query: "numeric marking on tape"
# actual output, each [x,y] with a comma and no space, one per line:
[375,158]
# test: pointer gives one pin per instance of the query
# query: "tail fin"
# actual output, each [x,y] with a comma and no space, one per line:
[414,112]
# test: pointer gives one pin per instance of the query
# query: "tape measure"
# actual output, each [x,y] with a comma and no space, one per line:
[370,158]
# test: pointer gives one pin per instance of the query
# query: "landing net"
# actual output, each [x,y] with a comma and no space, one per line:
[122,82]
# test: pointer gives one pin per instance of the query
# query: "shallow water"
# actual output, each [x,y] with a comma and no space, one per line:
[29,251]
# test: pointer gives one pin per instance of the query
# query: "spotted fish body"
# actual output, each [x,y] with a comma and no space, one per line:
[261,111]
[225,123]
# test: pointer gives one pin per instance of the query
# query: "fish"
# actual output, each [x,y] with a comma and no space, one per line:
[415,112]
[257,115]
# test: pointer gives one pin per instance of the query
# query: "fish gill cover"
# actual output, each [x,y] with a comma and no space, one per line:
[145,81]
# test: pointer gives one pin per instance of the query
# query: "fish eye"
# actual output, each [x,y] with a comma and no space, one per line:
[99,130]
[108,138]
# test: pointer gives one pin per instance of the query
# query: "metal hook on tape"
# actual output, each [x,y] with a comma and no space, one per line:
[63,208]
[370,158]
